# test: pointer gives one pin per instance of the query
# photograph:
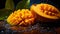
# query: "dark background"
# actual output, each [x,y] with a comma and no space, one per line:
[53,2]
[56,3]
[2,3]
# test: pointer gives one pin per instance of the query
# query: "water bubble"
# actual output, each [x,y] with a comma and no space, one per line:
[7,26]
[2,32]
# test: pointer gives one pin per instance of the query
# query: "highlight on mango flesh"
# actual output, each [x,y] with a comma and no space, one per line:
[45,11]
[21,17]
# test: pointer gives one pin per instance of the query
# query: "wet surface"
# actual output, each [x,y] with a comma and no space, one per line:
[38,28]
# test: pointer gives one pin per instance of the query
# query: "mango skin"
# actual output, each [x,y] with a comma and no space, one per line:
[42,12]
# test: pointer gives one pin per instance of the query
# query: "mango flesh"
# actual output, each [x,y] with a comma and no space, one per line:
[21,17]
[45,12]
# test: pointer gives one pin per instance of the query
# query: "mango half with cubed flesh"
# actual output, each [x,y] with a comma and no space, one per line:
[21,17]
[45,12]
